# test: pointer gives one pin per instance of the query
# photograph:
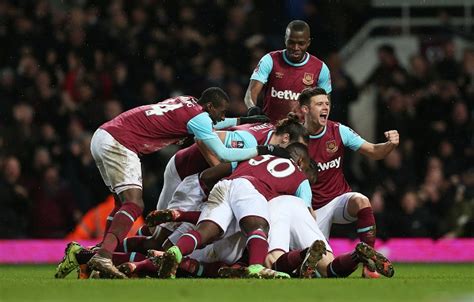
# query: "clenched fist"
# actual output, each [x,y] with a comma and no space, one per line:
[392,137]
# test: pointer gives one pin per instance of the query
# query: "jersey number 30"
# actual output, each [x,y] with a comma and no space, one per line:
[271,166]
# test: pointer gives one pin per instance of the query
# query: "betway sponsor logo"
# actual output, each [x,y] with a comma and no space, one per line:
[285,94]
[335,163]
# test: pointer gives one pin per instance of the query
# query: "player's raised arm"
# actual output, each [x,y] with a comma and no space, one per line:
[379,151]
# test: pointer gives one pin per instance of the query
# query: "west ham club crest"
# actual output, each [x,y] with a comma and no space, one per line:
[331,146]
[308,79]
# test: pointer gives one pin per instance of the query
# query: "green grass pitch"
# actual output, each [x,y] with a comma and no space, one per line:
[412,282]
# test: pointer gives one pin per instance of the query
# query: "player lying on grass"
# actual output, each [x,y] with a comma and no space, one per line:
[298,247]
[244,195]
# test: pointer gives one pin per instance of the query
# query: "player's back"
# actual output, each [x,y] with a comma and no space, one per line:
[261,132]
[149,128]
[271,176]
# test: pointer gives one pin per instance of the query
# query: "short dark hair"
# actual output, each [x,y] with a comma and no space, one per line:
[298,25]
[214,95]
[307,93]
[298,149]
[293,127]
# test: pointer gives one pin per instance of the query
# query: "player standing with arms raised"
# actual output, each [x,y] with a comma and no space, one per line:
[333,198]
[283,74]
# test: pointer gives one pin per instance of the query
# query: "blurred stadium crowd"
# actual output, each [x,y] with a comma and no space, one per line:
[68,66]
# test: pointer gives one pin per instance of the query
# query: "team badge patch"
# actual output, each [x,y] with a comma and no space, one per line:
[279,75]
[331,146]
[308,79]
[237,144]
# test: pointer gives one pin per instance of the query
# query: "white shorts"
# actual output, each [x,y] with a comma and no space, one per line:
[171,180]
[229,249]
[334,212]
[233,199]
[292,226]
[187,197]
[119,167]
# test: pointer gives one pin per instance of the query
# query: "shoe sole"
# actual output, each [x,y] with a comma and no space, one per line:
[234,273]
[61,274]
[244,273]
[95,275]
[374,260]
[270,274]
[313,256]
[105,271]
[128,270]
[168,266]
[160,217]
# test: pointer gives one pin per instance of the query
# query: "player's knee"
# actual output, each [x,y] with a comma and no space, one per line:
[360,201]
[253,223]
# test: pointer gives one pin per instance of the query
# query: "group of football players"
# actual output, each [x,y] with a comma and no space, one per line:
[253,197]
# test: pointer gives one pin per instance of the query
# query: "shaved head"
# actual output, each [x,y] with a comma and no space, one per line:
[297,40]
[297,25]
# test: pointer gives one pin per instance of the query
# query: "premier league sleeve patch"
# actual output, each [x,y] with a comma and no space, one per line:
[237,144]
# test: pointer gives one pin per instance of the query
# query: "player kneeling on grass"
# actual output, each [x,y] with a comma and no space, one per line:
[244,195]
[297,245]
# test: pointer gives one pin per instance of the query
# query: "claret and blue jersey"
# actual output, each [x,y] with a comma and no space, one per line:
[327,149]
[285,80]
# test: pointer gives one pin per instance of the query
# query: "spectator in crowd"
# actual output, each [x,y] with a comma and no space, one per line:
[67,67]
[54,212]
[15,200]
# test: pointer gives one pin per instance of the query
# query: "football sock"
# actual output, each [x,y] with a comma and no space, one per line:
[190,267]
[145,267]
[119,258]
[121,224]
[188,242]
[290,261]
[342,266]
[110,217]
[188,216]
[366,226]
[134,244]
[144,231]
[257,246]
